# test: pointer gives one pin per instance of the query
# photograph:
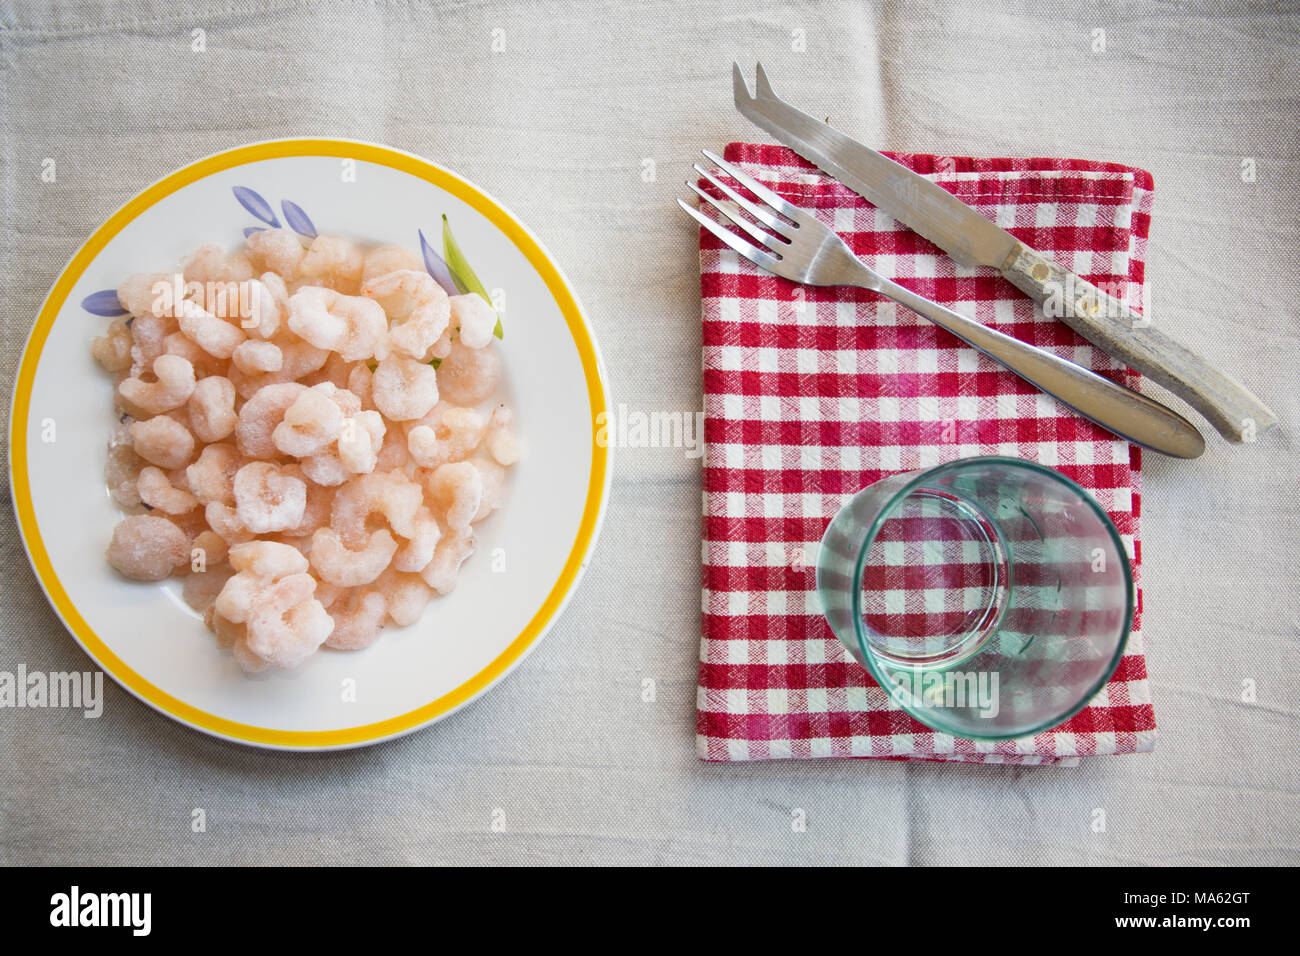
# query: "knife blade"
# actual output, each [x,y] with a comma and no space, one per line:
[973,240]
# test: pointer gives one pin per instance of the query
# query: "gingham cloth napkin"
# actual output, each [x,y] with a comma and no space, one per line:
[811,394]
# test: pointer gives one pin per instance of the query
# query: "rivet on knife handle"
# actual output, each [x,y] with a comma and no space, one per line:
[1122,332]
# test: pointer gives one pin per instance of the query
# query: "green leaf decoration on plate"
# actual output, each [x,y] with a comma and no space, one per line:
[462,274]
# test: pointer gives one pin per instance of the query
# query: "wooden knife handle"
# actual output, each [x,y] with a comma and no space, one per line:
[1124,333]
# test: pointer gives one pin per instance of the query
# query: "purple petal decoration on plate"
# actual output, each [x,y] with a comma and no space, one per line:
[258,206]
[437,267]
[297,219]
[249,230]
[103,303]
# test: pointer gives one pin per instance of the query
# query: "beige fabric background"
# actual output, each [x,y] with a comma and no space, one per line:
[559,125]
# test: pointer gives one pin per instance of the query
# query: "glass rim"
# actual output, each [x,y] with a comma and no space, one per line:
[925,474]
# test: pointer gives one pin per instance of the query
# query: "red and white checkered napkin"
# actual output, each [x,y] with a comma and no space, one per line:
[811,394]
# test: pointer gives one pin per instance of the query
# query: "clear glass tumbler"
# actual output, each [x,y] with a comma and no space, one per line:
[991,597]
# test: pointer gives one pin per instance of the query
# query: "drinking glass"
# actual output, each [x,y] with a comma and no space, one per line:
[990,597]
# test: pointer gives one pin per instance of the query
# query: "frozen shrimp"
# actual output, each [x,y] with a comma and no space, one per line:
[147,548]
[406,596]
[258,418]
[309,474]
[417,552]
[353,326]
[358,621]
[254,356]
[417,304]
[162,441]
[468,376]
[156,491]
[215,336]
[122,467]
[141,294]
[388,259]
[452,551]
[309,425]
[211,264]
[392,496]
[456,491]
[277,251]
[501,441]
[404,389]
[448,433]
[112,350]
[334,262]
[172,386]
[473,318]
[266,499]
[346,567]
[212,476]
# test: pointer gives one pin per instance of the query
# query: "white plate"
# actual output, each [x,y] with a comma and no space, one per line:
[530,555]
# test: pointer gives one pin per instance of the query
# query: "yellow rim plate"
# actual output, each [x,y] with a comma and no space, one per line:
[597,487]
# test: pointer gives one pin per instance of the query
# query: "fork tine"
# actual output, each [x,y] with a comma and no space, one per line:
[766,238]
[764,216]
[755,255]
[753,185]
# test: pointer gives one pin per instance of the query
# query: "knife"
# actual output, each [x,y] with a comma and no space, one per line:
[971,239]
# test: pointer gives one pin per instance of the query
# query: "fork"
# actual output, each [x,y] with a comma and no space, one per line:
[801,248]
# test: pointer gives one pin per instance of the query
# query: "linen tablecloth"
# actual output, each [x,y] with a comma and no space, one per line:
[584,120]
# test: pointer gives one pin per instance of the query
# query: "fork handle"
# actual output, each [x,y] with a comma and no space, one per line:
[1121,410]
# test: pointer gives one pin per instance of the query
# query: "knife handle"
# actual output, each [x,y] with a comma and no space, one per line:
[1127,335]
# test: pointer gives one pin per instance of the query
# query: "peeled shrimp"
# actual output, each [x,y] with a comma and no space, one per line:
[447,434]
[351,325]
[139,295]
[407,596]
[390,495]
[173,386]
[276,250]
[388,259]
[474,318]
[358,621]
[254,356]
[468,376]
[211,264]
[254,432]
[268,500]
[147,547]
[212,476]
[441,573]
[162,441]
[404,389]
[334,262]
[157,491]
[456,490]
[417,303]
[501,442]
[341,565]
[417,552]
[215,336]
[310,424]
[112,350]
[360,441]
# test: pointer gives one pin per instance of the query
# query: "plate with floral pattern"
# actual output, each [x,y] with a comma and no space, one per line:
[530,555]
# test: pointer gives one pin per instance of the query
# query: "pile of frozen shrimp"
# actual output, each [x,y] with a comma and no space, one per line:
[303,439]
